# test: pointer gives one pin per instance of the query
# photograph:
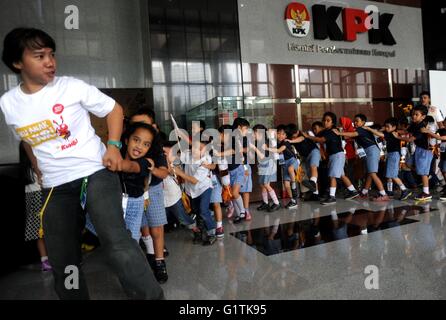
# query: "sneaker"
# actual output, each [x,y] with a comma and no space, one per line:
[405,195]
[314,197]
[443,196]
[364,196]
[230,212]
[220,233]
[390,194]
[239,219]
[423,197]
[351,195]
[263,207]
[381,198]
[197,238]
[291,205]
[310,184]
[46,266]
[274,207]
[161,271]
[329,201]
[210,240]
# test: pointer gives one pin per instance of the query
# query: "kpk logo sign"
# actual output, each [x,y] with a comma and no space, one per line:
[354,22]
[297,18]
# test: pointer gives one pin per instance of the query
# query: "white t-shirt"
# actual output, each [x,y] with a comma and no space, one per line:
[435,113]
[55,121]
[195,169]
[172,191]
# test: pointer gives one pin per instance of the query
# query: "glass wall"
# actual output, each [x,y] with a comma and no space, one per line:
[195,55]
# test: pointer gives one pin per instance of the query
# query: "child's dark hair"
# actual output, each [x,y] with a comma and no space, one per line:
[317,124]
[425,93]
[259,127]
[422,109]
[332,116]
[284,128]
[362,117]
[19,39]
[291,129]
[240,122]
[144,111]
[429,119]
[442,132]
[392,121]
[403,121]
[224,127]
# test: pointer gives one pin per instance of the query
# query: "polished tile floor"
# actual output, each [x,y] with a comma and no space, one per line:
[311,252]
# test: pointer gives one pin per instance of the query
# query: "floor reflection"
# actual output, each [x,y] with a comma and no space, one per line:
[278,238]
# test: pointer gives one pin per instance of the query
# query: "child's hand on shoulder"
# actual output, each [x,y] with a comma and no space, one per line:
[336,131]
[151,164]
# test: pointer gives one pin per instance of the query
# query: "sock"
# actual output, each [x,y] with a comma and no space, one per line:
[382,192]
[313,179]
[403,187]
[246,210]
[293,185]
[44,258]
[159,259]
[239,203]
[332,192]
[149,244]
[273,196]
[265,197]
[316,192]
[236,208]
[334,215]
[426,190]
[365,191]
[351,188]
[390,186]
[219,224]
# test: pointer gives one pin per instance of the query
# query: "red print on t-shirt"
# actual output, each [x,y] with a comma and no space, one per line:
[62,129]
[58,108]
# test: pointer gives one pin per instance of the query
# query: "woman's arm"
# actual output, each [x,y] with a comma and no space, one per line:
[112,159]
[432,134]
[259,153]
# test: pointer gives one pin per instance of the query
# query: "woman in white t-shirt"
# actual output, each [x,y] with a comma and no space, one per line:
[51,114]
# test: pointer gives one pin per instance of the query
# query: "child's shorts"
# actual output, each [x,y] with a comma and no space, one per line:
[155,215]
[247,180]
[267,171]
[372,159]
[237,176]
[392,165]
[336,163]
[288,163]
[423,159]
[216,191]
[313,160]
